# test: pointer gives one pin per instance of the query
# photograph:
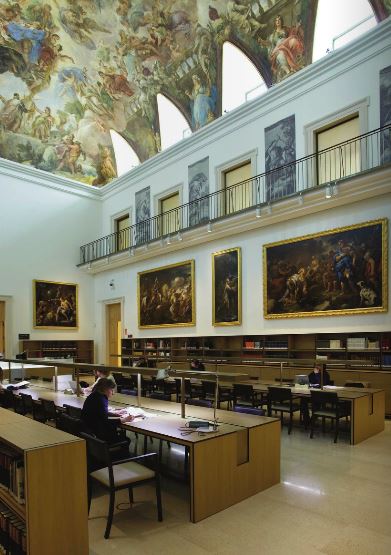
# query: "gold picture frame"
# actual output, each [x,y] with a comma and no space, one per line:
[163,296]
[55,305]
[343,271]
[227,287]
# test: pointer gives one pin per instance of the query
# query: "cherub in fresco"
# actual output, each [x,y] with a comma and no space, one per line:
[71,153]
[286,47]
[72,81]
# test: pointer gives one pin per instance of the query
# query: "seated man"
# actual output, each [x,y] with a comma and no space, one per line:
[314,376]
[196,365]
[95,413]
[100,373]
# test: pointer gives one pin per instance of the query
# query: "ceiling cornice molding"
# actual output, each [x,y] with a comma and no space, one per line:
[23,172]
[313,75]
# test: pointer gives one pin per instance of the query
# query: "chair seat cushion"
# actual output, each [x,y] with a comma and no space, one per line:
[284,408]
[125,473]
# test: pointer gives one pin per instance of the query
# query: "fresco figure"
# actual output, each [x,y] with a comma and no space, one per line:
[286,48]
[11,115]
[202,103]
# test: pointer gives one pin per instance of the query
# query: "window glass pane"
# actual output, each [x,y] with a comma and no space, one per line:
[238,197]
[170,216]
[342,161]
[123,237]
[173,124]
[125,156]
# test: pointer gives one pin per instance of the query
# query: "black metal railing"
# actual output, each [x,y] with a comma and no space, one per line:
[328,166]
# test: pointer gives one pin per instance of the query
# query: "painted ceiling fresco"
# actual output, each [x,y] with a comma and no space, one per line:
[71,70]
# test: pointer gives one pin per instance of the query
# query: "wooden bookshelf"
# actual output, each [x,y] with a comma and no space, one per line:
[78,350]
[55,485]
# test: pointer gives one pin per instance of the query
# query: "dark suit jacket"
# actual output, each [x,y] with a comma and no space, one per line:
[315,378]
[95,417]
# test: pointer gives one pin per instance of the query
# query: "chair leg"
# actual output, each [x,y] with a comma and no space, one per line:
[290,422]
[131,498]
[336,430]
[313,417]
[89,494]
[186,465]
[168,444]
[159,499]
[160,450]
[145,445]
[110,516]
[323,424]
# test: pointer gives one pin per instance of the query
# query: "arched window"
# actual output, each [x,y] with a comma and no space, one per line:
[337,23]
[173,125]
[241,79]
[125,156]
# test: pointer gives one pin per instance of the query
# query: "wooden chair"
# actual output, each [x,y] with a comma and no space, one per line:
[246,396]
[124,474]
[224,394]
[38,412]
[27,403]
[200,403]
[280,399]
[75,412]
[249,410]
[50,410]
[326,404]
[69,424]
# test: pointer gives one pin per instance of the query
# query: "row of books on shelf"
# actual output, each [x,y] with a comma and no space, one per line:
[13,534]
[12,472]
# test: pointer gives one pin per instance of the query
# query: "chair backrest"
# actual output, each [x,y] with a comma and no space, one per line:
[69,424]
[49,408]
[38,412]
[27,402]
[160,395]
[279,394]
[354,384]
[249,410]
[98,452]
[118,377]
[324,400]
[199,403]
[9,399]
[73,411]
[208,387]
[243,392]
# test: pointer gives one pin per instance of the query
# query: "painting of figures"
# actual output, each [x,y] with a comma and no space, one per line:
[55,304]
[337,272]
[166,296]
[385,115]
[143,213]
[280,150]
[198,188]
[227,288]
[72,71]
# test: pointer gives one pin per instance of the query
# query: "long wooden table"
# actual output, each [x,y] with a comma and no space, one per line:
[241,459]
[367,406]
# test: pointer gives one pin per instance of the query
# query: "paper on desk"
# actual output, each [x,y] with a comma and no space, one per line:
[333,387]
[134,411]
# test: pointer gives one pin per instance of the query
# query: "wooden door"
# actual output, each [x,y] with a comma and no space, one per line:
[113,326]
[2,327]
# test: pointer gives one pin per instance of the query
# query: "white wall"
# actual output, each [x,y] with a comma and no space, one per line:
[252,281]
[341,79]
[41,230]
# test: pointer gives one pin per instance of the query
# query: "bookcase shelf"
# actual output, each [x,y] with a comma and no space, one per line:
[55,485]
[78,350]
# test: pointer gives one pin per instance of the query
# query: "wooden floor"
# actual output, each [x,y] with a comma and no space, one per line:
[332,499]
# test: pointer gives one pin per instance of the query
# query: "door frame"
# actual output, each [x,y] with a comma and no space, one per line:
[104,333]
[8,325]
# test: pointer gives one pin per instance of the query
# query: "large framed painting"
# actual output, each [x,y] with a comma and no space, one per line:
[280,151]
[55,305]
[338,272]
[227,287]
[199,188]
[166,296]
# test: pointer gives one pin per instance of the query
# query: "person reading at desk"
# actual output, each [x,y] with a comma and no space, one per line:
[99,374]
[197,365]
[95,413]
[314,376]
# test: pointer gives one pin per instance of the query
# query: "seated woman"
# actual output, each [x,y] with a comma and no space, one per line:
[99,374]
[95,412]
[314,376]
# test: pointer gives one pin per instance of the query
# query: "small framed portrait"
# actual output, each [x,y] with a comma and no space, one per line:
[55,305]
[166,296]
[227,287]
[338,272]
